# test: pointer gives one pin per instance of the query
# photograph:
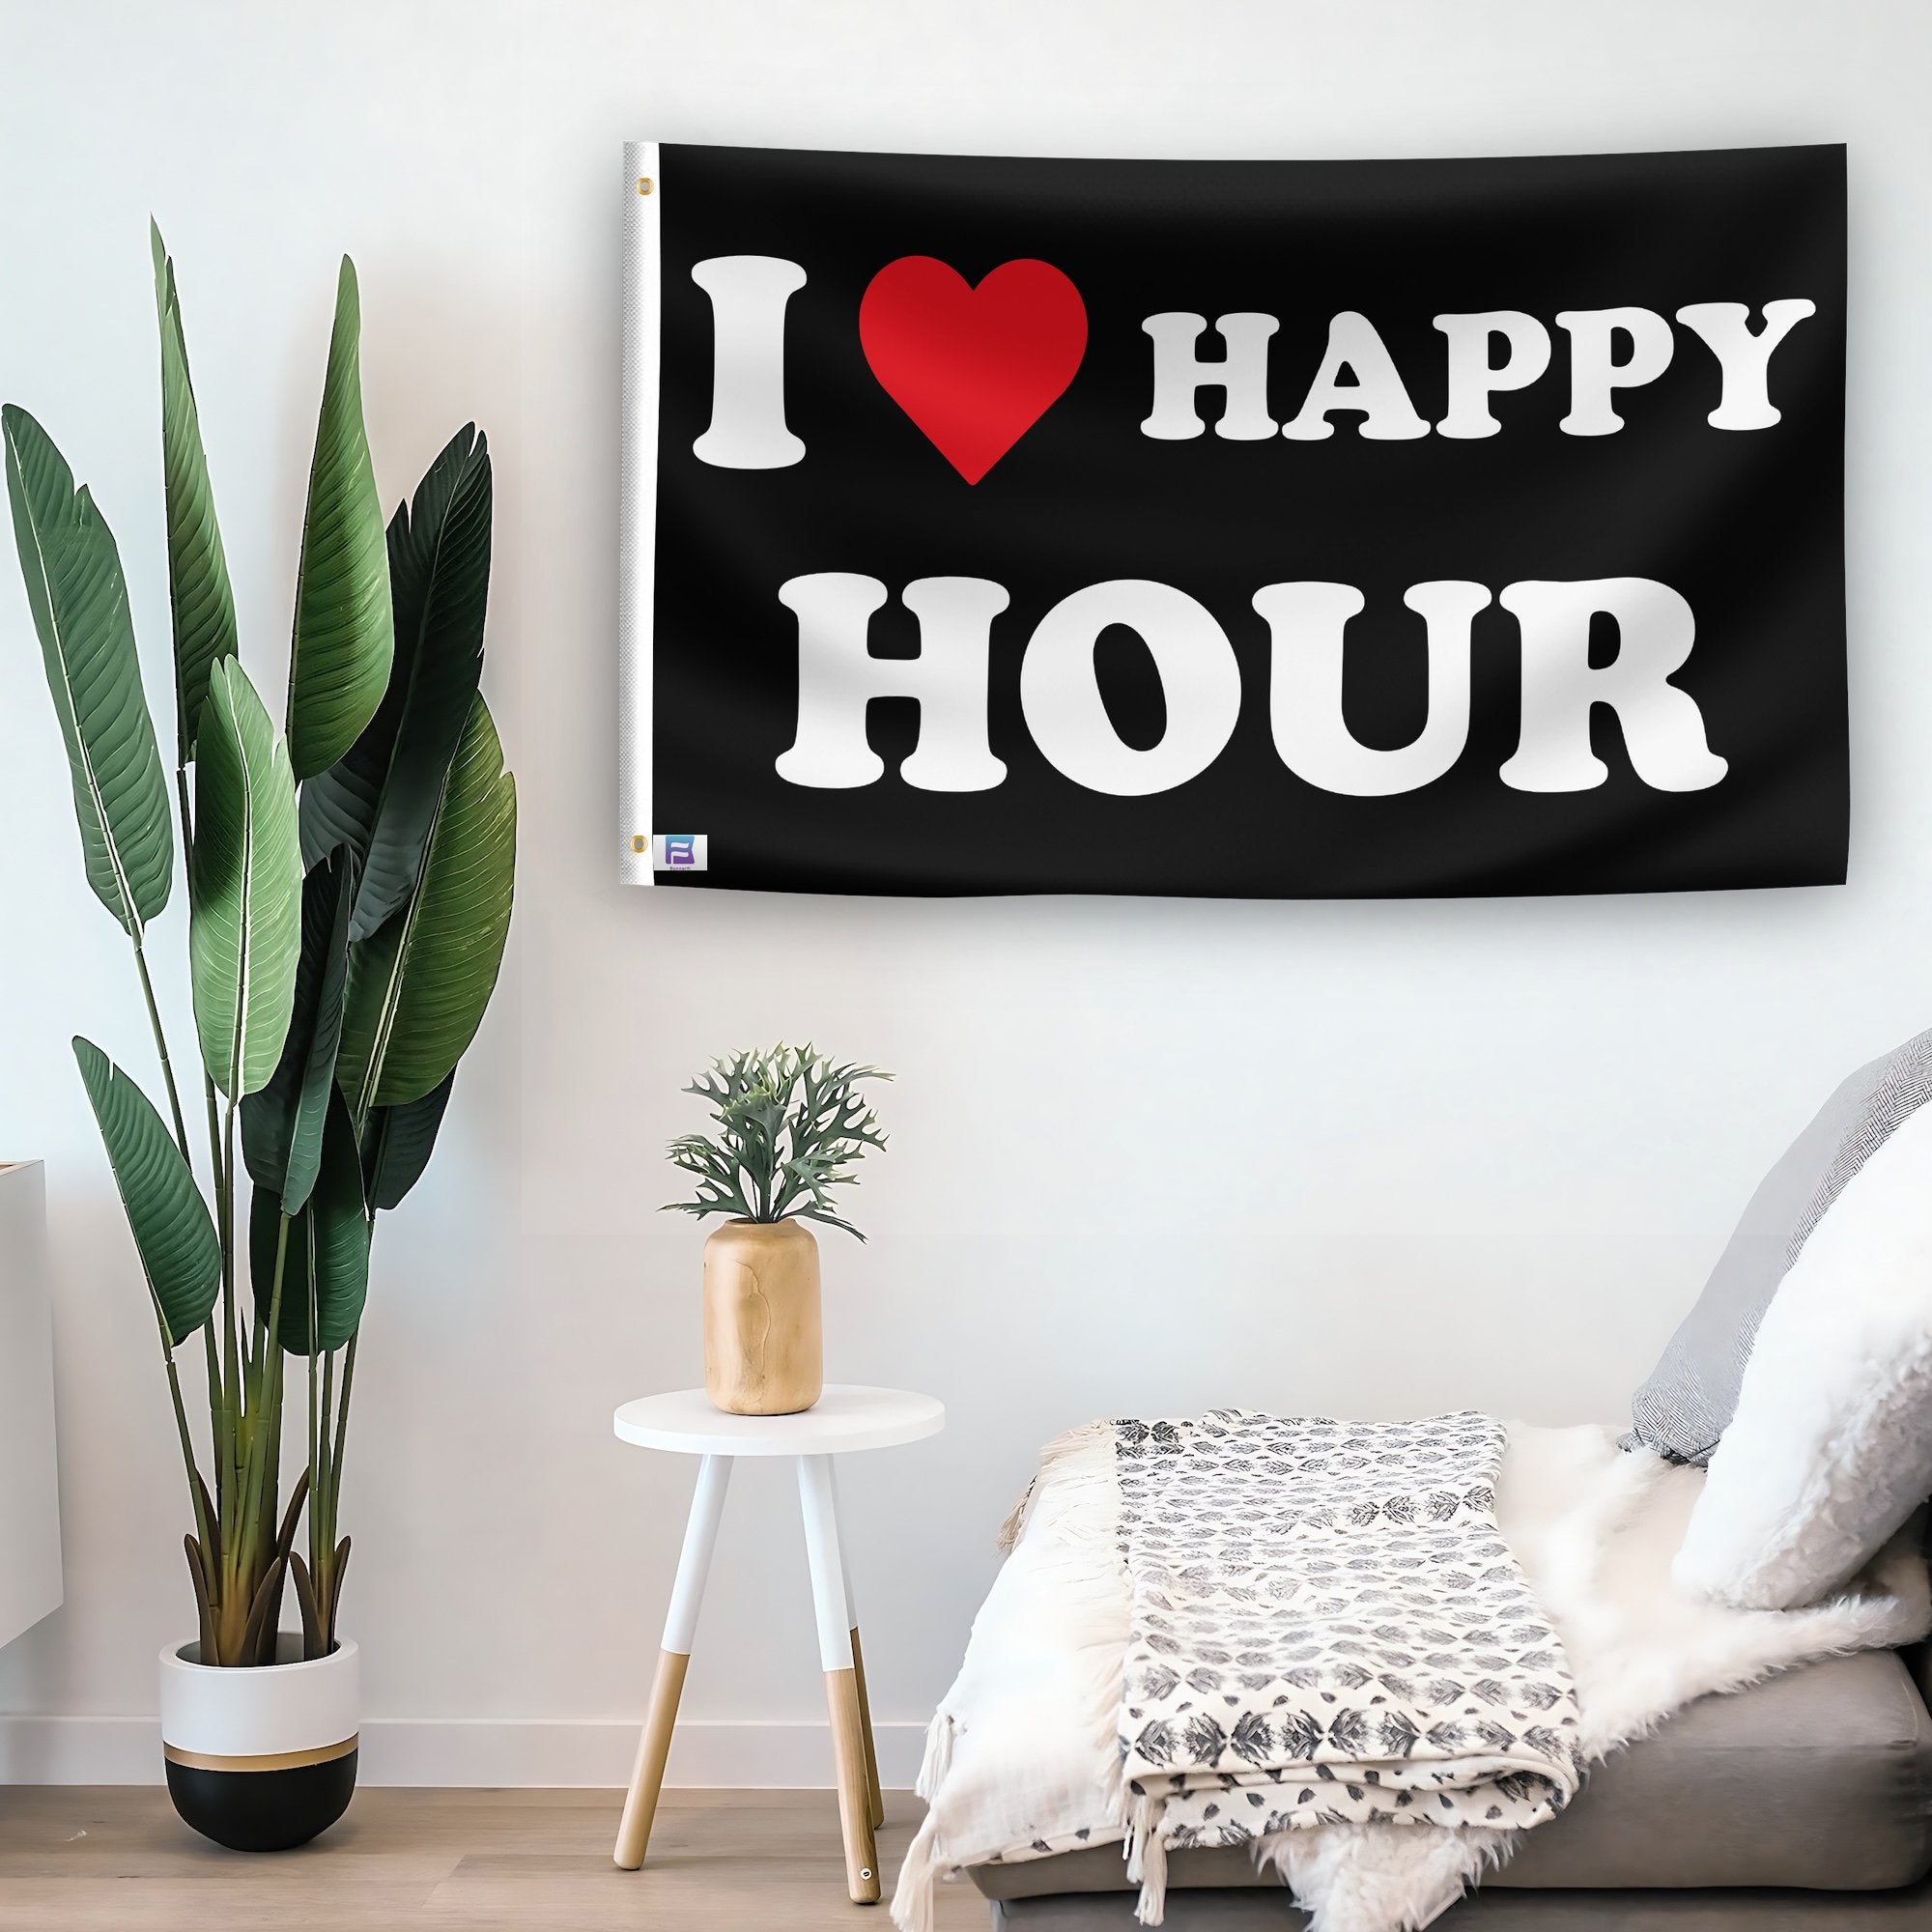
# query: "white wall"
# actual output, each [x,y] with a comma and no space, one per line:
[1148,1157]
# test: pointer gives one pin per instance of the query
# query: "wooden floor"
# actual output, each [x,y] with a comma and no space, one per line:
[76,1859]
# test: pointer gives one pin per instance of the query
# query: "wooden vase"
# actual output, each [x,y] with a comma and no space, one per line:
[764,1348]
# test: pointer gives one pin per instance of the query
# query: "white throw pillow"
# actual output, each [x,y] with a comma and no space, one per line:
[1831,1449]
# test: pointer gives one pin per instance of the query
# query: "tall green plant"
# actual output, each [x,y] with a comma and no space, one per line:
[349,883]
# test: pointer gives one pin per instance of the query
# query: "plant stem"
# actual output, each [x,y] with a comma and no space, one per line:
[215,1436]
[212,1105]
[316,1432]
[162,1047]
[230,1348]
[194,1487]
[216,1401]
[243,1568]
[322,1519]
[266,1408]
[342,1419]
[323,1528]
[234,1419]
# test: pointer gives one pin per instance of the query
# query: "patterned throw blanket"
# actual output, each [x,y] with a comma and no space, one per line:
[1327,1627]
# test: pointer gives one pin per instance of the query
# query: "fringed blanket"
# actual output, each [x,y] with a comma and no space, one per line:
[1325,1626]
[1024,1756]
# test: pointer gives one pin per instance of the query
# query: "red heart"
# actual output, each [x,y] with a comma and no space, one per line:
[974,367]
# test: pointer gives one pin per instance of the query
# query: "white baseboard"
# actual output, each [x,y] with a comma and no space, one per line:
[479,1752]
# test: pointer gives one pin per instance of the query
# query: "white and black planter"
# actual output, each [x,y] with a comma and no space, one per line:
[261,1760]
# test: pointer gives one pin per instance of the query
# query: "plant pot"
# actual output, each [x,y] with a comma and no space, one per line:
[260,1760]
[764,1348]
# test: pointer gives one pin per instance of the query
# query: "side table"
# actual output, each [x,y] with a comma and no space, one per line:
[844,1419]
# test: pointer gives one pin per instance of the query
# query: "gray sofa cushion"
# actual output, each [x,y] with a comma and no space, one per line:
[1488,1910]
[1819,1778]
[1693,1393]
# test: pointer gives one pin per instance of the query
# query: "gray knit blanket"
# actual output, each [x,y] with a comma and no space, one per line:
[1327,1626]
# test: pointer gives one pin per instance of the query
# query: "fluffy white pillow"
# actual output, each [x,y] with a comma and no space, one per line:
[1831,1449]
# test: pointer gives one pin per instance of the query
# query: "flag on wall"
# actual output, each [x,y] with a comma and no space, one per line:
[1275,529]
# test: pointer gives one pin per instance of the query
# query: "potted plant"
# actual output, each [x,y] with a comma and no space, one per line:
[348,884]
[791,1126]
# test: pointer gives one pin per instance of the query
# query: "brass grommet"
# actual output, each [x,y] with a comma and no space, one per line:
[640,843]
[644,183]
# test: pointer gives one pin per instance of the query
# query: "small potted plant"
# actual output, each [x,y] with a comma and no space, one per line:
[791,1126]
[349,888]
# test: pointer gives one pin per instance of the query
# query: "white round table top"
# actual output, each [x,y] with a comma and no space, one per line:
[845,1417]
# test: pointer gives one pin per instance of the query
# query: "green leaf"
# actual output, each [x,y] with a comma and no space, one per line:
[344,636]
[198,589]
[397,1145]
[418,988]
[173,1232]
[245,883]
[379,799]
[326,1266]
[281,1126]
[79,601]
[791,1127]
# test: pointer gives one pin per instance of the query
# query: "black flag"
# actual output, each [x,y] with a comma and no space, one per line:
[1246,529]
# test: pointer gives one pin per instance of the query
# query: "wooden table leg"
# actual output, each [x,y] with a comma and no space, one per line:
[694,1564]
[820,1511]
[877,1797]
[874,1796]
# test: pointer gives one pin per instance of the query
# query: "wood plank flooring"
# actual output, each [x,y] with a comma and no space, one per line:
[104,1859]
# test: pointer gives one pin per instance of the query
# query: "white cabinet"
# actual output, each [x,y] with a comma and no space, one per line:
[29,1557]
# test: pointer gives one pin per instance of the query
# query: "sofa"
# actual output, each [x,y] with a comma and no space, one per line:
[1802,1383]
[1802,1804]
